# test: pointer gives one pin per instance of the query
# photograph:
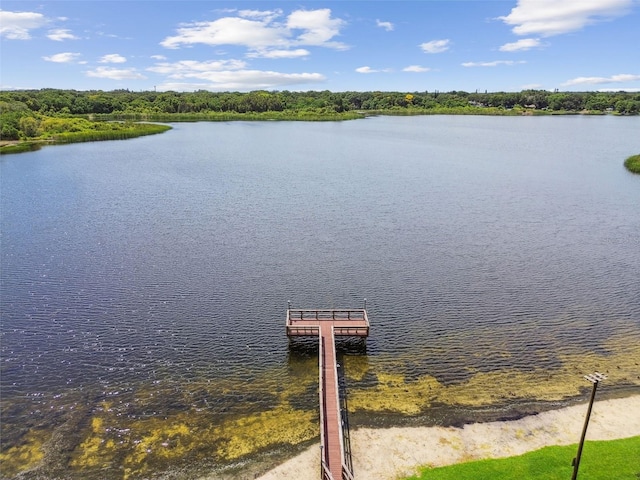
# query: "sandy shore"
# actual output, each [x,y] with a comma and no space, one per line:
[386,454]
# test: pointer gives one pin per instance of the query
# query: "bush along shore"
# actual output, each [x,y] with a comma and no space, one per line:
[633,164]
[31,131]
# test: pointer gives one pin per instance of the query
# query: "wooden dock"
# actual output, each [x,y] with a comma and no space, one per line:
[335,456]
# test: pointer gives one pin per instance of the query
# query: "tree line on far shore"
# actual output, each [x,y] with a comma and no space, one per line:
[52,101]
[20,110]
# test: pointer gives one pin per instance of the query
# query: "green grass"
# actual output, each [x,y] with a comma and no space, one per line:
[114,131]
[611,460]
[19,147]
[633,163]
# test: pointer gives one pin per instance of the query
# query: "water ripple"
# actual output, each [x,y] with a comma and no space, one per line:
[124,271]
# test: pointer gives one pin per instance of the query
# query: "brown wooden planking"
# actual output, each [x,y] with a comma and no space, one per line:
[327,324]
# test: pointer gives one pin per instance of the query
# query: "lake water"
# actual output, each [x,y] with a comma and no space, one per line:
[145,282]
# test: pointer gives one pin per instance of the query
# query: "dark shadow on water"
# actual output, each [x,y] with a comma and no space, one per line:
[351,346]
[307,346]
[302,347]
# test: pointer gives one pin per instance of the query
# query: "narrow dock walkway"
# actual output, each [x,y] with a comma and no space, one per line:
[327,324]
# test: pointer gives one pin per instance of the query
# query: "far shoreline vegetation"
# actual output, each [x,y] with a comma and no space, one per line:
[32,118]
[47,130]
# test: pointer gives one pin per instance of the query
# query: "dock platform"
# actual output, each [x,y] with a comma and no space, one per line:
[327,325]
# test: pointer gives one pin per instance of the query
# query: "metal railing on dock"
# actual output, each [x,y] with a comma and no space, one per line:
[346,322]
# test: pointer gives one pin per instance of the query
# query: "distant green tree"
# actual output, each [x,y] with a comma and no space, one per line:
[599,101]
[538,98]
[628,107]
[29,126]
[566,101]
[71,102]
[11,114]
[9,132]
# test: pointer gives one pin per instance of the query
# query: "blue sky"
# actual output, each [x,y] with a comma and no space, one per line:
[499,45]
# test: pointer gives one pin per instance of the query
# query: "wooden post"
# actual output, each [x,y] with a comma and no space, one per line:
[595,379]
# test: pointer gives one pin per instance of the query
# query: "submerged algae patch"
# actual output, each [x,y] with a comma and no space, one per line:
[24,456]
[284,425]
[356,366]
[394,393]
[96,450]
[212,422]
[146,445]
[157,442]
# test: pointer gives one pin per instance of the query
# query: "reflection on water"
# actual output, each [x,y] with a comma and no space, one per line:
[144,284]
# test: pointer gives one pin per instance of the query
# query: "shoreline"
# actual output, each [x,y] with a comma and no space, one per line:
[67,137]
[398,452]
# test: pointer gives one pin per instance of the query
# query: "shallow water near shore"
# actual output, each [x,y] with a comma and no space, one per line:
[144,283]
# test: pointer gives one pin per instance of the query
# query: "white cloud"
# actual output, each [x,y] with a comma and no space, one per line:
[158,57]
[245,80]
[222,75]
[259,32]
[228,31]
[61,34]
[194,69]
[621,78]
[115,73]
[319,28]
[388,26]
[17,25]
[266,15]
[492,64]
[416,68]
[297,53]
[523,44]
[65,57]
[112,58]
[435,46]
[372,70]
[555,17]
